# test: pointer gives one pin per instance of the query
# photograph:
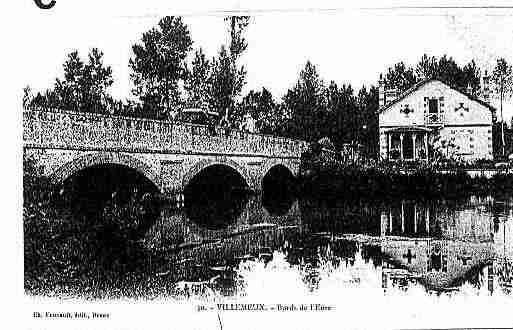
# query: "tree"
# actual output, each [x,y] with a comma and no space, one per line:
[227,78]
[262,107]
[46,100]
[28,98]
[306,104]
[158,65]
[368,108]
[70,91]
[472,77]
[97,79]
[450,73]
[84,87]
[343,120]
[502,86]
[400,77]
[427,67]
[225,83]
[199,81]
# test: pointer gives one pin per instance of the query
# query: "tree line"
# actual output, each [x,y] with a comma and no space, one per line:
[168,74]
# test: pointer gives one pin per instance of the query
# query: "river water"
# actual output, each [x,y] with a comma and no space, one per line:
[359,264]
[440,246]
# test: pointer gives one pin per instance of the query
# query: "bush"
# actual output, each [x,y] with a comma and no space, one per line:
[395,179]
[73,254]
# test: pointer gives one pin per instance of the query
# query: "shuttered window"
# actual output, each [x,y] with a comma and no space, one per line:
[433,106]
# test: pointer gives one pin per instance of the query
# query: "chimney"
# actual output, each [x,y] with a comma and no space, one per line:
[381,89]
[486,87]
[391,95]
[469,89]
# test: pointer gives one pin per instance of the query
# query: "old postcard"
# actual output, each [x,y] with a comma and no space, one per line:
[236,165]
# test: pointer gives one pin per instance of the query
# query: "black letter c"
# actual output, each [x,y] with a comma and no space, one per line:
[41,5]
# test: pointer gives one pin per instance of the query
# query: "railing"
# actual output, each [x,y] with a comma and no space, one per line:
[434,119]
[60,129]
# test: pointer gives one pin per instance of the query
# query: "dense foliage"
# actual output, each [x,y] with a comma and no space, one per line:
[159,65]
[369,179]
[84,87]
[66,252]
[445,68]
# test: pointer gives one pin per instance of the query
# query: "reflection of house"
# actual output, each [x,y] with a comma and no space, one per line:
[434,116]
[413,219]
[440,264]
[439,246]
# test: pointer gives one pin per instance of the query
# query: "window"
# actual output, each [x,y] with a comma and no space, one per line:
[433,106]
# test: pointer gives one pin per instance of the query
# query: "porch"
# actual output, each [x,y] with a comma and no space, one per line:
[408,143]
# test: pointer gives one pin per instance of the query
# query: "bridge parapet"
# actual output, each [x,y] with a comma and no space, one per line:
[88,131]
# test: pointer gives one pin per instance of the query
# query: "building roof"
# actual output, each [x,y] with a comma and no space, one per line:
[425,81]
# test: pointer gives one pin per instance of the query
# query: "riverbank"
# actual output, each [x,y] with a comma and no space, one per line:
[386,180]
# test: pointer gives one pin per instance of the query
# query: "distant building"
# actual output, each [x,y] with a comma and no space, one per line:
[433,116]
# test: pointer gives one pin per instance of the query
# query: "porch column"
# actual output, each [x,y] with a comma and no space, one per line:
[414,138]
[415,218]
[402,214]
[401,137]
[427,219]
[426,146]
[389,145]
[390,219]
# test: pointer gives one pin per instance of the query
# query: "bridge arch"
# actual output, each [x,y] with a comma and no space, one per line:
[279,186]
[268,165]
[104,158]
[276,170]
[205,163]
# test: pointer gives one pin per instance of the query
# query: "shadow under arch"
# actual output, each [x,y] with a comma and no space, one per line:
[205,163]
[103,186]
[279,189]
[103,158]
[215,196]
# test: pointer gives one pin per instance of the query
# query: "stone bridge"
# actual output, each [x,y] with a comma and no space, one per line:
[168,154]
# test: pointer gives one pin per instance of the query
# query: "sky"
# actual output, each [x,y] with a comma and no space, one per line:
[353,44]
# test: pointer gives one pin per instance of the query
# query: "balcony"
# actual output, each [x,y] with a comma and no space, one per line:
[434,119]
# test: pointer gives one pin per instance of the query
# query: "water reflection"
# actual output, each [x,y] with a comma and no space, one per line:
[201,257]
[443,244]
[215,213]
[215,241]
[440,244]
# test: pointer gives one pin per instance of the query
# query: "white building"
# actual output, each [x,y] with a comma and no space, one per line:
[433,117]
